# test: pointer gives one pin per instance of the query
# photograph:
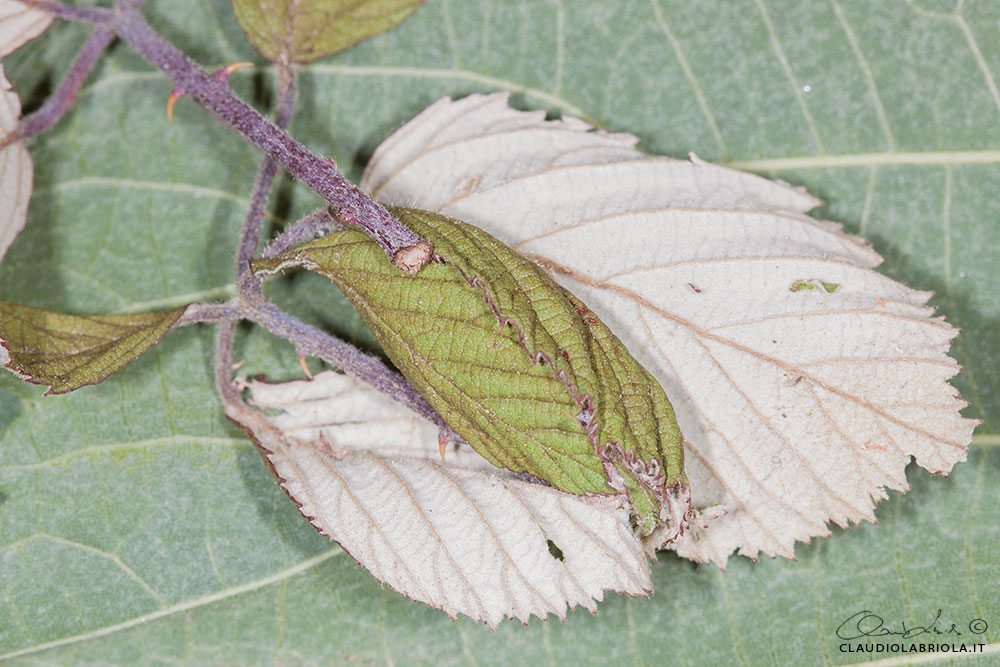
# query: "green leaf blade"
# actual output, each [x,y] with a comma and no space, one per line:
[67,352]
[302,32]
[515,364]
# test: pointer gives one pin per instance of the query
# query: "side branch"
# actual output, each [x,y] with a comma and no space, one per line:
[65,96]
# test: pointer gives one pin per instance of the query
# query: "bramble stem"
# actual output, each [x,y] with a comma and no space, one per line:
[197,313]
[302,230]
[406,249]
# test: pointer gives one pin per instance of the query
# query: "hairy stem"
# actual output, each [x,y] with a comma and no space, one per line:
[304,229]
[406,249]
[207,312]
[62,10]
[249,420]
[250,235]
[65,96]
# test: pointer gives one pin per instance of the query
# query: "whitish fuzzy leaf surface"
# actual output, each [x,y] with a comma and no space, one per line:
[303,30]
[522,370]
[136,521]
[20,24]
[16,170]
[461,536]
[804,381]
[67,352]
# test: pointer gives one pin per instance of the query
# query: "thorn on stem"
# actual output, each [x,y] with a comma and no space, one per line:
[175,95]
[223,74]
[443,441]
[302,363]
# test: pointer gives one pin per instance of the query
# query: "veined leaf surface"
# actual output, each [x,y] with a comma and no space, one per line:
[67,352]
[799,406]
[516,365]
[897,136]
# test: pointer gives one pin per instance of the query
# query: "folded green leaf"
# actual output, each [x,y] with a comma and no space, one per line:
[303,30]
[520,368]
[67,352]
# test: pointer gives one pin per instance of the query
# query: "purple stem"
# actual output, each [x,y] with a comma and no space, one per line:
[89,14]
[250,235]
[406,249]
[304,229]
[207,312]
[65,96]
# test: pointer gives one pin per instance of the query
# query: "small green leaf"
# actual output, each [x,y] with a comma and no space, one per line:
[67,352]
[518,366]
[303,30]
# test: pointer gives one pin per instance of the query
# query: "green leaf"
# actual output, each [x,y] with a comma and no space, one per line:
[67,352]
[304,30]
[136,524]
[520,368]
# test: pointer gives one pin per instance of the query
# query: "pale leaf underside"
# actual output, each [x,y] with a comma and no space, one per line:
[20,24]
[803,380]
[460,535]
[16,169]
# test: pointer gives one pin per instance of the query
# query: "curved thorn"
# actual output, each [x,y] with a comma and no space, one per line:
[223,74]
[174,96]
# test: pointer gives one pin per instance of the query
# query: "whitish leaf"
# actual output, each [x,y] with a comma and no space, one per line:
[16,170]
[799,406]
[461,536]
[304,30]
[67,352]
[20,24]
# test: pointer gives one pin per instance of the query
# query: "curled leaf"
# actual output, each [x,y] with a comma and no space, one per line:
[301,31]
[461,536]
[799,406]
[16,169]
[67,352]
[518,367]
[20,24]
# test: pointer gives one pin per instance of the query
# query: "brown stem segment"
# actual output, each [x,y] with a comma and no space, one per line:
[406,249]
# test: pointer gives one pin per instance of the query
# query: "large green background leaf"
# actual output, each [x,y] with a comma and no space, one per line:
[136,524]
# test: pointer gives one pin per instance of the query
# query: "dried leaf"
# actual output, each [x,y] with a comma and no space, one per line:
[799,407]
[20,24]
[16,169]
[303,30]
[463,536]
[67,352]
[522,370]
